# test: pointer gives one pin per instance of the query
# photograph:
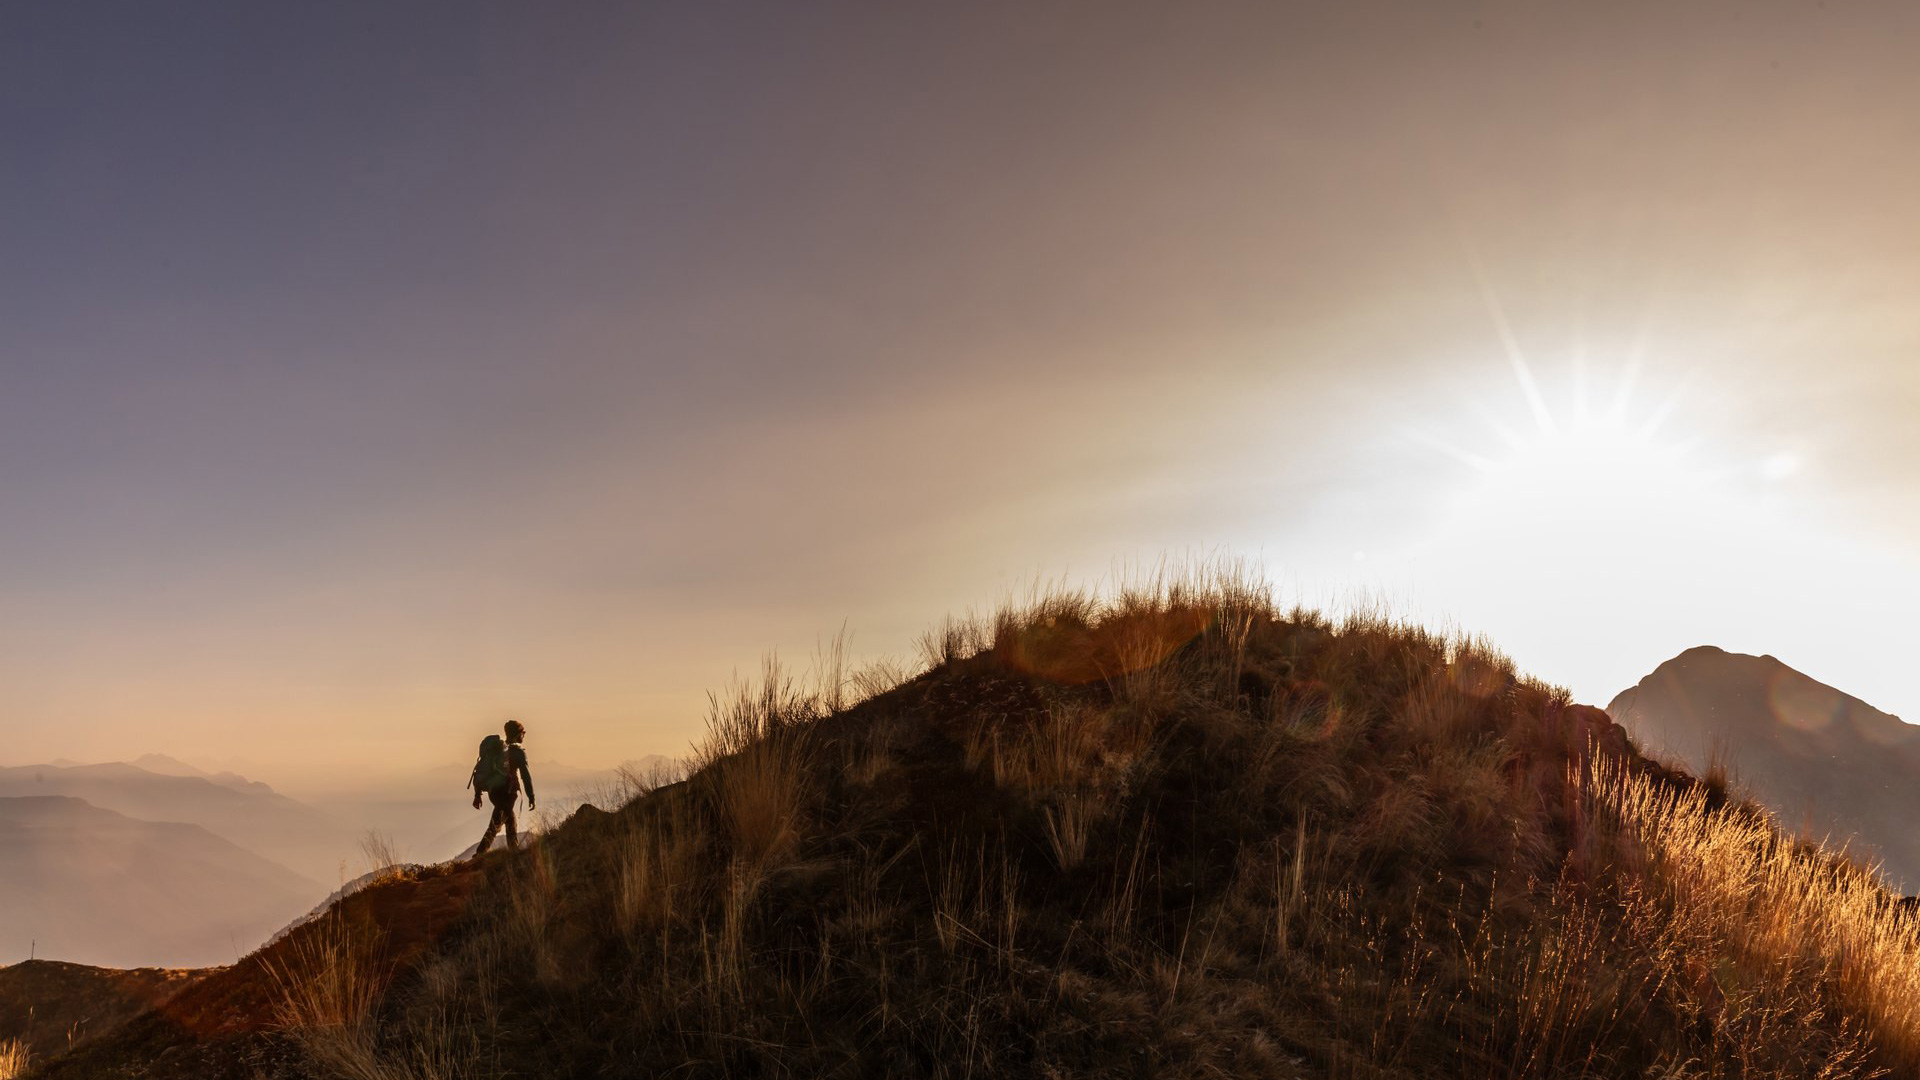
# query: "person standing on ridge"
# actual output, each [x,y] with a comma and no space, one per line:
[499,774]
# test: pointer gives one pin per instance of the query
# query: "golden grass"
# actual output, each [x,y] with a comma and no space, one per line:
[656,869]
[1768,941]
[13,1059]
[328,989]
[329,981]
[380,850]
[754,760]
[531,888]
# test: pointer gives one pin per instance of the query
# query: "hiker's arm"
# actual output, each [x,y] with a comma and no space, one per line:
[526,782]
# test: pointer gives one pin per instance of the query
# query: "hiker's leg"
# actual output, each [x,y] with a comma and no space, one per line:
[493,828]
[503,815]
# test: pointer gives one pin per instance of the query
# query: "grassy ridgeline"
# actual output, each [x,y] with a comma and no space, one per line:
[1175,832]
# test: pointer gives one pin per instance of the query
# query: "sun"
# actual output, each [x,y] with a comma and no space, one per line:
[1588,465]
[1576,455]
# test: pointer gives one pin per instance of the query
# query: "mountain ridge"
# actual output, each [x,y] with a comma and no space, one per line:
[1821,759]
[253,817]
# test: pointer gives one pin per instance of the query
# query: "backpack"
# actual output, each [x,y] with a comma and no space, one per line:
[492,772]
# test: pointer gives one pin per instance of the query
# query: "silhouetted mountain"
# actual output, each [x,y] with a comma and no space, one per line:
[90,885]
[172,766]
[1820,759]
[166,765]
[253,816]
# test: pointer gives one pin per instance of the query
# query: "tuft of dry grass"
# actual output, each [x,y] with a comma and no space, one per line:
[531,891]
[877,677]
[1765,941]
[631,782]
[328,989]
[380,850]
[754,760]
[14,1059]
[1069,822]
[656,869]
[954,640]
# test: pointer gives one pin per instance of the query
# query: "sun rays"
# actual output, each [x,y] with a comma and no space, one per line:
[1591,449]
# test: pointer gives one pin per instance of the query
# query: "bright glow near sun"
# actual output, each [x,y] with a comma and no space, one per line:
[1607,508]
[1595,485]
[1587,465]
[1604,522]
[1589,462]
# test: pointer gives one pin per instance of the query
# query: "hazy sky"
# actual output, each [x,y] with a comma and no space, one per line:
[370,372]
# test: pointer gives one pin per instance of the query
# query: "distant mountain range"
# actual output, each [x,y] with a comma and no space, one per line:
[86,884]
[1822,760]
[249,814]
[171,766]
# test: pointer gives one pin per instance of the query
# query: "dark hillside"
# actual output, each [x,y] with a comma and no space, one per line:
[1177,834]
[50,1006]
[228,1021]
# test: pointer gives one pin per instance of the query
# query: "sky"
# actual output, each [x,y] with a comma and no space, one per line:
[370,373]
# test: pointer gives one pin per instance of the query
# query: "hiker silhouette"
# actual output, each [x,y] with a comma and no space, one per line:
[498,774]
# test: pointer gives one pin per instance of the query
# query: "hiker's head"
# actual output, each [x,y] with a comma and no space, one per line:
[516,731]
